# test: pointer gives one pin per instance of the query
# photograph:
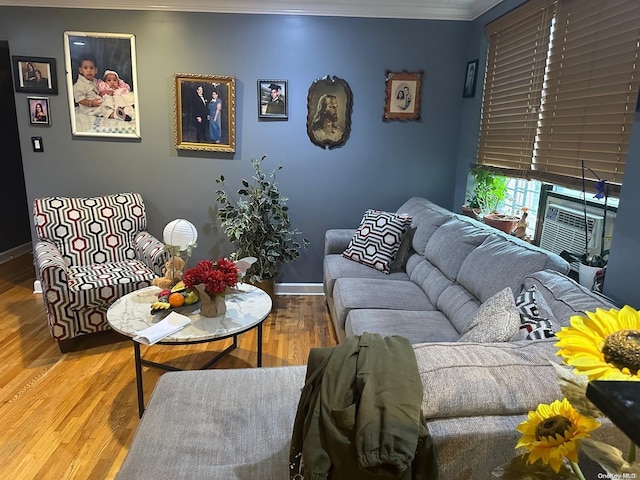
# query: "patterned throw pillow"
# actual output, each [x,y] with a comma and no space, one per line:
[533,326]
[377,239]
[496,320]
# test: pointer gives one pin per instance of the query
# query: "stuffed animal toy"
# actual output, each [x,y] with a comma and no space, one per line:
[173,270]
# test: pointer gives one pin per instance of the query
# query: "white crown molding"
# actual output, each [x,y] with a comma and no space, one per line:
[410,9]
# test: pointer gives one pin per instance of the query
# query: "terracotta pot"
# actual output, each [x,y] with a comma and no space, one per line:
[210,305]
[506,223]
[471,212]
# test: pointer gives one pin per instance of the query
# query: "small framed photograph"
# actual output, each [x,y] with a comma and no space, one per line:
[470,79]
[402,100]
[102,84]
[272,99]
[39,112]
[35,75]
[329,105]
[205,112]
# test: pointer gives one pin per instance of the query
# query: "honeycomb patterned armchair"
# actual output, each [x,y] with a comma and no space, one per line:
[89,252]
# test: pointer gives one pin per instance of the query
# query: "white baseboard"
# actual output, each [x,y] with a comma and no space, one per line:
[299,289]
[281,288]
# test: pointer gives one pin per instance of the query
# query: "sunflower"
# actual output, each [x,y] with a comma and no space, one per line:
[604,345]
[552,433]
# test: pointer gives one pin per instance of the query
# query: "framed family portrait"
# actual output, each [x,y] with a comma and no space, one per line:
[329,105]
[102,84]
[272,99]
[205,112]
[39,112]
[35,75]
[402,99]
[470,79]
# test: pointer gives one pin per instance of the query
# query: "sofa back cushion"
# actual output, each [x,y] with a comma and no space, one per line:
[499,263]
[565,297]
[91,230]
[427,217]
[451,243]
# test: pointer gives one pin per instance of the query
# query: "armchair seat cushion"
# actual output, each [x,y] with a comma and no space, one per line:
[101,284]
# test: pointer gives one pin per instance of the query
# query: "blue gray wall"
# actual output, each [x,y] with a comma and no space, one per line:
[380,166]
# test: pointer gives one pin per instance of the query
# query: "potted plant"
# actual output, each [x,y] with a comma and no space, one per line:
[590,261]
[257,223]
[489,192]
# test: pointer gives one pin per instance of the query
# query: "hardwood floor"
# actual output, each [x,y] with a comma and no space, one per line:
[73,415]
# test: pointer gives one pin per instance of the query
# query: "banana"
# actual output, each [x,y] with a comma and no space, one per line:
[160,306]
[178,287]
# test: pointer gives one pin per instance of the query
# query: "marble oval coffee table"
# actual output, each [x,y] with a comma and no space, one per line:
[247,308]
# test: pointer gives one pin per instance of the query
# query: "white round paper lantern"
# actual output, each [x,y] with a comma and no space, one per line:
[180,233]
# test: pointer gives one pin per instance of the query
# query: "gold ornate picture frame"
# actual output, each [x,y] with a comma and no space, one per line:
[402,99]
[205,112]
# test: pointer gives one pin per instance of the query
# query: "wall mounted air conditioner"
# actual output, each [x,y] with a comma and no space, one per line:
[563,228]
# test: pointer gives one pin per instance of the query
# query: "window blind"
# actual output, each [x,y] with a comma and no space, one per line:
[554,100]
[591,89]
[518,45]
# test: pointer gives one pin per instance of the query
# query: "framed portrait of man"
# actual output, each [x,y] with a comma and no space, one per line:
[205,112]
[102,84]
[272,99]
[329,105]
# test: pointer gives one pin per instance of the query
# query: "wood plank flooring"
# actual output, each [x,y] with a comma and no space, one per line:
[73,415]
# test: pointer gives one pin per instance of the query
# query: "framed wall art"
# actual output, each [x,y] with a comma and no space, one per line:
[272,99]
[470,79]
[35,75]
[102,84]
[329,105]
[39,111]
[402,99]
[205,112]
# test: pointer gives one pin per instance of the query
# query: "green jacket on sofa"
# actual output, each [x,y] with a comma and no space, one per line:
[359,414]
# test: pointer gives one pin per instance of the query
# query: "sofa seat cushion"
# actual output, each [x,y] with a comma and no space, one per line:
[417,327]
[336,266]
[100,284]
[231,424]
[355,293]
[475,379]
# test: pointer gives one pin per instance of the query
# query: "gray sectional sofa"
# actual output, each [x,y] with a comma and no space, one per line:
[453,264]
[237,424]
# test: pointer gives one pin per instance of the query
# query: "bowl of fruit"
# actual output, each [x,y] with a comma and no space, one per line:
[178,298]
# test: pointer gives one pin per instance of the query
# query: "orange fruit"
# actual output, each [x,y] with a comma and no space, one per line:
[176,300]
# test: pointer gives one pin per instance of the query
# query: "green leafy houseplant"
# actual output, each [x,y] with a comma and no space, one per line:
[489,192]
[257,223]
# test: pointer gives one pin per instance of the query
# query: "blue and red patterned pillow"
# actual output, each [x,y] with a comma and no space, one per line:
[533,324]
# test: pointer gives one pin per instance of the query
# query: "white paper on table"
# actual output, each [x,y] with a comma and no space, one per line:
[168,326]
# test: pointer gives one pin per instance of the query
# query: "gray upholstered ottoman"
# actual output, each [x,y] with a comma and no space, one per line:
[217,424]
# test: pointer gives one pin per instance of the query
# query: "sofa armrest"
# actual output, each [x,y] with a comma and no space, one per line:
[52,273]
[337,240]
[478,379]
[151,251]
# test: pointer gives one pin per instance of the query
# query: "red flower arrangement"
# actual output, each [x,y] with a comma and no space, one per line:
[215,276]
